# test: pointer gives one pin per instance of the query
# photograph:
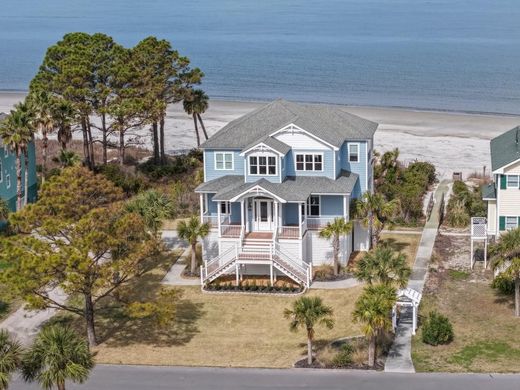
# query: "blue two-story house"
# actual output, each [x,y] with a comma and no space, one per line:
[272,179]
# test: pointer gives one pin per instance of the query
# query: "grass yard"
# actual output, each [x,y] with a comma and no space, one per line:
[486,332]
[405,243]
[216,329]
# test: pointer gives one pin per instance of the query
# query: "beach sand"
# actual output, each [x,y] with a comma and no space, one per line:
[451,141]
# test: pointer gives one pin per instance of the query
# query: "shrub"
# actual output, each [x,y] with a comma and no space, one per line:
[344,357]
[437,329]
[458,216]
[129,183]
[504,285]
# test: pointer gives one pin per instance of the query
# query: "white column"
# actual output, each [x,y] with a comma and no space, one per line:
[201,197]
[271,273]
[275,219]
[218,217]
[471,254]
[300,219]
[237,273]
[414,324]
[242,212]
[394,318]
[345,207]
[485,253]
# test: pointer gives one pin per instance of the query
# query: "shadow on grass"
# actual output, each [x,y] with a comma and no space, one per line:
[397,246]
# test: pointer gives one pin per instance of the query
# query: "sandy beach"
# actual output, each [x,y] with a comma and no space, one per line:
[451,141]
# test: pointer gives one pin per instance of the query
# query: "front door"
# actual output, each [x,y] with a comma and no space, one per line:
[263,218]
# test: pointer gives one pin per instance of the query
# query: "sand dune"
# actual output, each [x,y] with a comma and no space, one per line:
[451,141]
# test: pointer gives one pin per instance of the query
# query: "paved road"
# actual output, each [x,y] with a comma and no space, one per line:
[183,378]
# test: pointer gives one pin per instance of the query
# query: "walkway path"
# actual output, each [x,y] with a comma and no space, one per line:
[336,284]
[174,275]
[399,358]
[25,324]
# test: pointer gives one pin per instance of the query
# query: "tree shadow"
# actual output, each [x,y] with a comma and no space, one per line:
[397,246]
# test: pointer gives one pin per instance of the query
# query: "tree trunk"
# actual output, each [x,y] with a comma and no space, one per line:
[372,231]
[18,178]
[155,136]
[517,297]
[60,385]
[309,349]
[26,174]
[335,248]
[86,152]
[89,319]
[372,351]
[193,258]
[203,127]
[196,130]
[105,138]
[45,144]
[91,146]
[121,147]
[161,141]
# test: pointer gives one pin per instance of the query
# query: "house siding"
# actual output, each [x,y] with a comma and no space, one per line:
[328,163]
[272,178]
[513,169]
[361,167]
[211,173]
[492,216]
[331,205]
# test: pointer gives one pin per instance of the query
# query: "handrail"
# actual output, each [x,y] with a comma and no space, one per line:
[220,256]
[287,258]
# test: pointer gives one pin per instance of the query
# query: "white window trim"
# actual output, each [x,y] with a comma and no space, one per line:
[227,207]
[516,222]
[8,181]
[304,163]
[517,181]
[258,155]
[224,161]
[358,152]
[309,206]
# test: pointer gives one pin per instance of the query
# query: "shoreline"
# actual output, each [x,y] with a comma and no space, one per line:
[452,141]
[227,99]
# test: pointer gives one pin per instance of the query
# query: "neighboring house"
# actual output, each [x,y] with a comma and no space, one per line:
[8,174]
[273,178]
[503,195]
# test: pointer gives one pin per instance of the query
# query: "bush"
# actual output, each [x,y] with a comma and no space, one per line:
[464,204]
[173,166]
[504,285]
[344,357]
[130,184]
[437,329]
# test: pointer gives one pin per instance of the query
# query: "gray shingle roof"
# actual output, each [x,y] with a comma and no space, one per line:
[271,142]
[293,189]
[489,191]
[505,149]
[331,123]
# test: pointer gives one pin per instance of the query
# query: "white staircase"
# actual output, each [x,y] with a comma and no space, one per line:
[261,251]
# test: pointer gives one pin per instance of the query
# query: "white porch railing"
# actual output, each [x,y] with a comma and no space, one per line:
[314,223]
[211,219]
[229,229]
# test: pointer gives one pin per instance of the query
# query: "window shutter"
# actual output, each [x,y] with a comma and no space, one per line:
[503,182]
[502,223]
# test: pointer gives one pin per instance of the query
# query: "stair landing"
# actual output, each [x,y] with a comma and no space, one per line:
[259,236]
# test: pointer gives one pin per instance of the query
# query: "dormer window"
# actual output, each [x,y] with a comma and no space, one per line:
[223,161]
[262,165]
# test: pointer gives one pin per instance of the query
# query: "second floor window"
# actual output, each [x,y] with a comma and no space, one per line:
[223,161]
[309,162]
[353,152]
[512,181]
[262,165]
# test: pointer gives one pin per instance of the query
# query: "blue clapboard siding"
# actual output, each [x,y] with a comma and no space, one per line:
[235,212]
[331,205]
[8,166]
[212,206]
[360,167]
[209,165]
[328,164]
[290,213]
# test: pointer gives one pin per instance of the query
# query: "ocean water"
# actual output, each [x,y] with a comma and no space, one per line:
[461,55]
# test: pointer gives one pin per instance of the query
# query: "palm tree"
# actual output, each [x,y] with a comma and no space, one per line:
[154,207]
[191,231]
[10,357]
[373,309]
[306,313]
[334,230]
[63,114]
[42,106]
[506,259]
[374,209]
[383,265]
[58,354]
[195,104]
[16,132]
[67,158]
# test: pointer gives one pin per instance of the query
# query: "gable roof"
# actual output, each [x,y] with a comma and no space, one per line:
[488,191]
[505,149]
[332,124]
[292,189]
[271,143]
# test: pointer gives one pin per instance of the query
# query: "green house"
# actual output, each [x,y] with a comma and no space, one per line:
[8,174]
